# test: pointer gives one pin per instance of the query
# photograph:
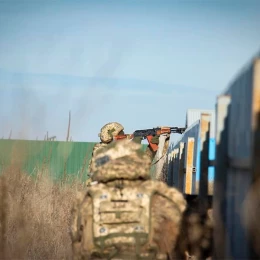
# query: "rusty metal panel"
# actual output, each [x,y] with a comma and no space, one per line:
[189,166]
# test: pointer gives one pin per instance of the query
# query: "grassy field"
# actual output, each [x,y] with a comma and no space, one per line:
[35,216]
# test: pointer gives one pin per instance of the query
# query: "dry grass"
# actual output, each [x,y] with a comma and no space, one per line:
[35,216]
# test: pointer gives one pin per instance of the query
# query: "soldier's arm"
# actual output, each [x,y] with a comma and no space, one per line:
[149,150]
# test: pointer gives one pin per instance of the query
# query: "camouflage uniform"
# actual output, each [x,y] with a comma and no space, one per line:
[106,136]
[160,170]
[125,215]
[149,152]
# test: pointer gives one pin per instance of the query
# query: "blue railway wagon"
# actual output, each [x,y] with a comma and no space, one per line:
[193,124]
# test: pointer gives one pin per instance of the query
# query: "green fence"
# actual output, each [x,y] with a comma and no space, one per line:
[60,159]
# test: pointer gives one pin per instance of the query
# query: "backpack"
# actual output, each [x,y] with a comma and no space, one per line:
[116,220]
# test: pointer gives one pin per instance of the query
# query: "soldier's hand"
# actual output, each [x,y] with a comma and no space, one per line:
[155,139]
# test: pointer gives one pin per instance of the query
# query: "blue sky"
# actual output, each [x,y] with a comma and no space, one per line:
[142,63]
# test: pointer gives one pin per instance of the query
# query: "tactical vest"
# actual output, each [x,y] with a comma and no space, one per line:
[121,222]
[95,148]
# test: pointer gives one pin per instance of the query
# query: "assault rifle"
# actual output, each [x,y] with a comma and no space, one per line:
[150,133]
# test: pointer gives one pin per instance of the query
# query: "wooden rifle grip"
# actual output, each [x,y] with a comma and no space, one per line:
[153,146]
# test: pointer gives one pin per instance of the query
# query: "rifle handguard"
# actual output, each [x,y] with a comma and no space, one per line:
[164,130]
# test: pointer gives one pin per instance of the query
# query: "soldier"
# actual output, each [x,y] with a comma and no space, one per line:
[125,215]
[107,132]
[106,135]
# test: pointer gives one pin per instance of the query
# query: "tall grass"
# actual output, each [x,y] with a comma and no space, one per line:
[35,216]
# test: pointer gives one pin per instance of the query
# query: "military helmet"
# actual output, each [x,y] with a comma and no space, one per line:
[121,160]
[109,130]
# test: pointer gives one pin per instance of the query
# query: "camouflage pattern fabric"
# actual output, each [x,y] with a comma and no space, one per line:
[117,128]
[159,157]
[95,149]
[120,160]
[149,152]
[126,215]
[106,136]
[105,226]
[109,130]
